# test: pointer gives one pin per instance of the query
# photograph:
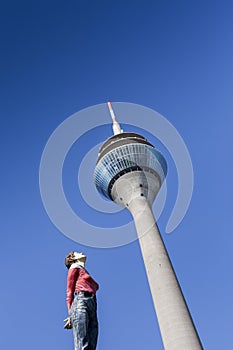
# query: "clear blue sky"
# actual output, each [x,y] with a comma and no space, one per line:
[58,57]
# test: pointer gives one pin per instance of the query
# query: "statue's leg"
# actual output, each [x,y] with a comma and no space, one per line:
[80,321]
[93,324]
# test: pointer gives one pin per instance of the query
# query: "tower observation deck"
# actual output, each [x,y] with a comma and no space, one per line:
[130,172]
[128,153]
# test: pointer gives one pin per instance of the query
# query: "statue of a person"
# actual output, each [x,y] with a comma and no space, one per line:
[81,303]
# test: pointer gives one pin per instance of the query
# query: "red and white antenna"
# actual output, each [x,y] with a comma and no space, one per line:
[115,125]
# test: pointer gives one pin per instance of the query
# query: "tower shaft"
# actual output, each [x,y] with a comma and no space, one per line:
[130,172]
[175,322]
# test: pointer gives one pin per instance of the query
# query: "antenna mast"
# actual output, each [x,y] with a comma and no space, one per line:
[115,125]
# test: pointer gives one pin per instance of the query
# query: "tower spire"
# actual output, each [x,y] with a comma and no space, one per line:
[115,125]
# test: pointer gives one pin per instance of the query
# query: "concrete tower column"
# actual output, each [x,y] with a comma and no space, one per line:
[175,322]
[136,191]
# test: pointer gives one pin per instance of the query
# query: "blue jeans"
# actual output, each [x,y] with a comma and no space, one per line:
[83,315]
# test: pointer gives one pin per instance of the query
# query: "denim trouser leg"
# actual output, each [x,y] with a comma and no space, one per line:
[93,327]
[85,323]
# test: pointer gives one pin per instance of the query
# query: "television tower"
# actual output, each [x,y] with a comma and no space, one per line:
[130,172]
